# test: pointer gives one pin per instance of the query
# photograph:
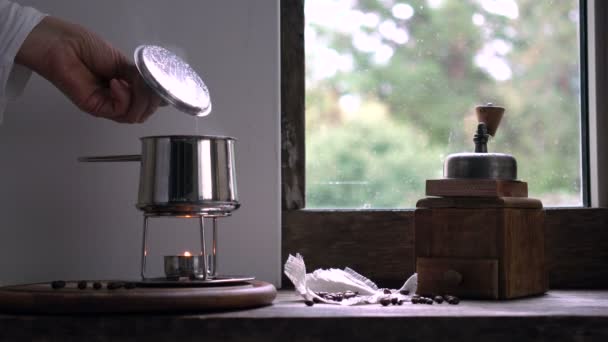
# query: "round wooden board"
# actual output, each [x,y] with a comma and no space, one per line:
[42,299]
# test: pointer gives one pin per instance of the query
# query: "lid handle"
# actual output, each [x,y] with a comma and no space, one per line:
[121,158]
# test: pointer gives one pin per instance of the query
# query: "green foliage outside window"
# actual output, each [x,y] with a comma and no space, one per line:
[392,86]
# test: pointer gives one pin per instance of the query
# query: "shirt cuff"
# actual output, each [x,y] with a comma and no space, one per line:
[18,23]
[26,18]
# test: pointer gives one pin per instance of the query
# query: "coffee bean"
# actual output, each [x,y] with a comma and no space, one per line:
[429,301]
[415,300]
[404,292]
[453,300]
[97,285]
[438,299]
[394,300]
[316,300]
[329,297]
[82,284]
[385,301]
[309,303]
[113,285]
[130,285]
[322,294]
[338,297]
[400,302]
[58,284]
[387,291]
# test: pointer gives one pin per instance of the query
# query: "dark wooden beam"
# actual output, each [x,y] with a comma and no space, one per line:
[292,104]
[378,244]
[577,247]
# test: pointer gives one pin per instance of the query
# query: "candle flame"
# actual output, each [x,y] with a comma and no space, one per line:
[186,253]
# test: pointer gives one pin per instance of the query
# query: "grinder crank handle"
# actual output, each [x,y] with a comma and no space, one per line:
[122,158]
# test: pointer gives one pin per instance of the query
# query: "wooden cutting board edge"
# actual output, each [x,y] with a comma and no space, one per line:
[42,299]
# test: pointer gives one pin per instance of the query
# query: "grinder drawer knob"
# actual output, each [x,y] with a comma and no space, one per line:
[452,278]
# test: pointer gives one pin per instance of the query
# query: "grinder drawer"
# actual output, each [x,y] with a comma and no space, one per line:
[472,278]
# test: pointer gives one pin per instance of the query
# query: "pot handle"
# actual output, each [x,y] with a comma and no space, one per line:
[123,158]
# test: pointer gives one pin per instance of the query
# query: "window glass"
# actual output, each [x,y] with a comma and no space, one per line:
[391,88]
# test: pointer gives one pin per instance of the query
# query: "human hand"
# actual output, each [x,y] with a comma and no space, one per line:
[96,77]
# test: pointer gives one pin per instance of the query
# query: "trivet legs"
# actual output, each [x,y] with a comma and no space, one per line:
[203,248]
[144,249]
[214,249]
[209,260]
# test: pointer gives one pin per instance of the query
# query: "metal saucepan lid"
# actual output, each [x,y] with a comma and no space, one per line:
[173,79]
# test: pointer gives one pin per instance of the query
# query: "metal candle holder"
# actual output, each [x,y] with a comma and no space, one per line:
[198,267]
[184,266]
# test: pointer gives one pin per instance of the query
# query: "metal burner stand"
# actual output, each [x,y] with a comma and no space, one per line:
[209,267]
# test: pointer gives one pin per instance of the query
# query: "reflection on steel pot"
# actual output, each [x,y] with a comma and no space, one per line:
[184,175]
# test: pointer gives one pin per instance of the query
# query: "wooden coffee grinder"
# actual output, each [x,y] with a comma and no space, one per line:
[478,235]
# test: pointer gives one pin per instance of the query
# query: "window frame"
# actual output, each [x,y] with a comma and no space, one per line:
[379,243]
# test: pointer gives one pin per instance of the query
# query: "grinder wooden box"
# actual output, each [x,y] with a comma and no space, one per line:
[480,247]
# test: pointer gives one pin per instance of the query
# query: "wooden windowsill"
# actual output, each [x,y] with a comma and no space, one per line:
[558,315]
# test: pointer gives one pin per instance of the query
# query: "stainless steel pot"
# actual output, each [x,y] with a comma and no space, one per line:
[184,175]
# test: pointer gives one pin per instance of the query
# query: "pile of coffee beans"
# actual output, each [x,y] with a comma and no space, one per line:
[451,299]
[83,284]
[333,296]
[337,296]
[421,300]
[113,285]
[386,301]
[58,284]
[429,299]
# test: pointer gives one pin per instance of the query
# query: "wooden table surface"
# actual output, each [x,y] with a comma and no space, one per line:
[558,315]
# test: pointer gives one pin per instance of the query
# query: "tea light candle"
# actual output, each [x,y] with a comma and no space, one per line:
[186,265]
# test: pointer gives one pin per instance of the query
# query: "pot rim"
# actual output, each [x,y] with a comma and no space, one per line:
[185,136]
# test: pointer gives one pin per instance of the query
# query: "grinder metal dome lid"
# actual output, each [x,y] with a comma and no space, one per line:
[174,80]
[481,164]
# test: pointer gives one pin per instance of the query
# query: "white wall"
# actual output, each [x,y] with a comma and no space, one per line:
[63,220]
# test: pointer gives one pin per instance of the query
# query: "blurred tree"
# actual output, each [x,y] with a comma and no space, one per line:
[426,64]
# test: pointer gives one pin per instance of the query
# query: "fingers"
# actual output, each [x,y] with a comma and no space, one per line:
[121,97]
[143,101]
[122,102]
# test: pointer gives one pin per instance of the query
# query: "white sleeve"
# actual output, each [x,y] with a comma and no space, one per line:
[16,22]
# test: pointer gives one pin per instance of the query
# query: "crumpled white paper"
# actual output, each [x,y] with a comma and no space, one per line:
[337,280]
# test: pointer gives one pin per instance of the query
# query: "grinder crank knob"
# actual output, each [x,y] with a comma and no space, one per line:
[490,115]
[452,278]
